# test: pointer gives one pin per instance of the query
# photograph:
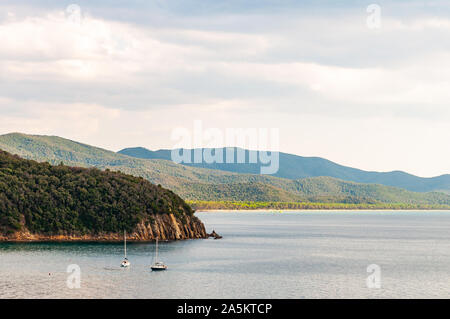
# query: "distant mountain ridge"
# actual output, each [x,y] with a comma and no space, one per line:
[297,167]
[202,184]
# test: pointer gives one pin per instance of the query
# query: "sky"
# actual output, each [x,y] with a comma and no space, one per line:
[118,74]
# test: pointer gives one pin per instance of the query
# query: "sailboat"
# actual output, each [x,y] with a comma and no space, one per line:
[125,262]
[157,265]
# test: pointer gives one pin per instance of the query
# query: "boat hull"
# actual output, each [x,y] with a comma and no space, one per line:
[158,268]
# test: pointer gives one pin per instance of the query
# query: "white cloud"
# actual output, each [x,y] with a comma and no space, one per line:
[75,120]
[85,80]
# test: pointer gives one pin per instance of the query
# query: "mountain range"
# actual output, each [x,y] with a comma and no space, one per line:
[297,167]
[235,182]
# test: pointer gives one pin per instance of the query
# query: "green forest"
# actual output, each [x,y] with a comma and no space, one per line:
[247,205]
[62,200]
[211,185]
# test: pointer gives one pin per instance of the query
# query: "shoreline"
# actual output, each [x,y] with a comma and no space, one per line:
[87,241]
[300,206]
[70,239]
[271,210]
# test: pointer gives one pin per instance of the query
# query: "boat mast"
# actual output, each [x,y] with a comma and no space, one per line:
[125,242]
[156,258]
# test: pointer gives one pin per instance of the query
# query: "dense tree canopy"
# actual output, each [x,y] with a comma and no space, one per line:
[70,200]
[199,184]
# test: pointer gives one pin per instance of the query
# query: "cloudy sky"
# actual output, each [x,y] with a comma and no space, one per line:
[117,74]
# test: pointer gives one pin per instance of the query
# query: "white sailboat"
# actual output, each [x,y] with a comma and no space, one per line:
[125,262]
[157,265]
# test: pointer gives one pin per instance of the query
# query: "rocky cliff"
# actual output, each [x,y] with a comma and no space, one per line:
[161,227]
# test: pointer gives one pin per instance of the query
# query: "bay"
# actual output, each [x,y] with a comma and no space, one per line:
[264,254]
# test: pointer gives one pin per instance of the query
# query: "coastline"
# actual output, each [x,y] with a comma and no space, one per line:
[271,210]
[199,205]
[116,238]
[297,206]
[165,227]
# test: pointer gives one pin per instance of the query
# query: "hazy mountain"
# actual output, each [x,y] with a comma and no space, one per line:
[195,183]
[296,167]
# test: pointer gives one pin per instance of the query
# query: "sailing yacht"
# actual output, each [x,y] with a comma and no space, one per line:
[157,265]
[125,262]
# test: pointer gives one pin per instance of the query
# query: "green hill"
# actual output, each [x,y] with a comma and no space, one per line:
[255,192]
[201,184]
[316,189]
[296,167]
[59,200]
[55,150]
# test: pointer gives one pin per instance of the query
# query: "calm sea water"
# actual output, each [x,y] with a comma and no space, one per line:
[262,255]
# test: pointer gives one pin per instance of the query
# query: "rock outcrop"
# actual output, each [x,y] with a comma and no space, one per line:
[168,227]
[214,235]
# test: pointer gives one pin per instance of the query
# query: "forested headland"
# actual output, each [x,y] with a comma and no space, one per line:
[39,199]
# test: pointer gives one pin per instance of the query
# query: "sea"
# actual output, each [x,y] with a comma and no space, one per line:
[263,254]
